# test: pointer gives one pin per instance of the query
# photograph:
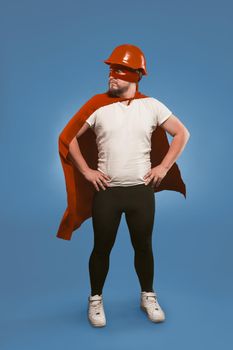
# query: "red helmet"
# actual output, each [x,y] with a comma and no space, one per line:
[129,56]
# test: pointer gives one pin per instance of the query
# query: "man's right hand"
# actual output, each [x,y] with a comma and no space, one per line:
[97,178]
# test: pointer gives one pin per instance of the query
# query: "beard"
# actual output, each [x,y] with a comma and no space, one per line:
[117,91]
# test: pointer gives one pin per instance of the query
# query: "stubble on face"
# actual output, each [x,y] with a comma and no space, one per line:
[116,90]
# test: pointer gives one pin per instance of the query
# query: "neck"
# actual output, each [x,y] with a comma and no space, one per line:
[130,93]
[127,95]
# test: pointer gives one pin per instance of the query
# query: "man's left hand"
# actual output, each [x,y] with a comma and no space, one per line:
[155,175]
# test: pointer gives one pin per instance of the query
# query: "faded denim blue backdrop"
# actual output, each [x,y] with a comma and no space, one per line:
[51,63]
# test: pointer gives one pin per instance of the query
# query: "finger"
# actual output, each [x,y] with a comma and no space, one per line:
[149,180]
[100,184]
[104,175]
[107,177]
[148,174]
[153,182]
[104,183]
[104,180]
[96,186]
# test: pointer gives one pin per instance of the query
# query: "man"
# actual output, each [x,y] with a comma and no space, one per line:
[123,123]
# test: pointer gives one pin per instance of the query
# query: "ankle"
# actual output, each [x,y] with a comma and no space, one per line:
[93,294]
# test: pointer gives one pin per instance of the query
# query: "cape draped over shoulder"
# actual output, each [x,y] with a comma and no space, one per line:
[80,191]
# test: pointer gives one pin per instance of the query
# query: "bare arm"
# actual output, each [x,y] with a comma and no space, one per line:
[75,152]
[180,137]
[94,176]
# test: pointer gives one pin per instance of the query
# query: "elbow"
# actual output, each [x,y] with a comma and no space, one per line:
[187,136]
[73,143]
[183,133]
[186,133]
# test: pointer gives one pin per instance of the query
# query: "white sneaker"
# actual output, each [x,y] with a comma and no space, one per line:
[96,313]
[150,305]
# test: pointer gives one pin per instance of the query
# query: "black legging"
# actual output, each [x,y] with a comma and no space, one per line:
[138,204]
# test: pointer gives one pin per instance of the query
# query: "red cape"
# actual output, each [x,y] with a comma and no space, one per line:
[80,191]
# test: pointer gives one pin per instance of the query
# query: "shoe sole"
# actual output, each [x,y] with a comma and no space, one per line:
[156,321]
[96,325]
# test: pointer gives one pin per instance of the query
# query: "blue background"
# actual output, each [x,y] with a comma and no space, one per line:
[51,63]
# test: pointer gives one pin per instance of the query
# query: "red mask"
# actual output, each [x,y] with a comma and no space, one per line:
[124,74]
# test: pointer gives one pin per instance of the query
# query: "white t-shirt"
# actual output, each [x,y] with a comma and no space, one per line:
[123,137]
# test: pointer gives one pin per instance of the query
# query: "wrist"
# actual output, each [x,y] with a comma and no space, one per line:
[85,170]
[166,167]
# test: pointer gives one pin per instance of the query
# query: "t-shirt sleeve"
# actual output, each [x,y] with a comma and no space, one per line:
[162,112]
[91,119]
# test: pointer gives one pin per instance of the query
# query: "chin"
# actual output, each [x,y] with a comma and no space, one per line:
[112,91]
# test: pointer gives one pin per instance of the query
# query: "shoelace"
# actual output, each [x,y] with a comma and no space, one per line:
[152,301]
[97,305]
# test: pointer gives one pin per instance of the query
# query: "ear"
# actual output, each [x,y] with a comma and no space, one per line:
[139,73]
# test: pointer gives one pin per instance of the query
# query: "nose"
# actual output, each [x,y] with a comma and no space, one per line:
[112,80]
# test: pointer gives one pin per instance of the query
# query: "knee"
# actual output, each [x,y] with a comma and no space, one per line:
[144,249]
[102,251]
